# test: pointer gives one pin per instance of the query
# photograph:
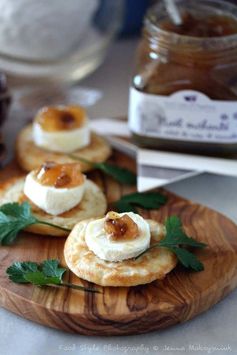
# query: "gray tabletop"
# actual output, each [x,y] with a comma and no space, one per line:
[213,332]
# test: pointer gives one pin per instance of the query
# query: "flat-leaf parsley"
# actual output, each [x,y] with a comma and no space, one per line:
[176,240]
[47,273]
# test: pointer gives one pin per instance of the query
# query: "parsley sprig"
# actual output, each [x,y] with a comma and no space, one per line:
[146,200]
[122,175]
[47,273]
[14,217]
[176,240]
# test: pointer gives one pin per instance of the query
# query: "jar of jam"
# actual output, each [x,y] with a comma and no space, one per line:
[184,93]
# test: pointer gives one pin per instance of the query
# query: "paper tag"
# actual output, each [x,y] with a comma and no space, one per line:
[185,115]
[110,126]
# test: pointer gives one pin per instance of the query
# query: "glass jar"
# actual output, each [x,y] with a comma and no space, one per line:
[184,93]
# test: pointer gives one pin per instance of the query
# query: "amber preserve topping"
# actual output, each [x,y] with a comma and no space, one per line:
[120,227]
[61,118]
[60,175]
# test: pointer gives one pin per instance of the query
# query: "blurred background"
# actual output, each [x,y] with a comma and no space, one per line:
[49,50]
[62,40]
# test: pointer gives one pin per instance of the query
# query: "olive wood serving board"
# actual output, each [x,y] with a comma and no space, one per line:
[119,311]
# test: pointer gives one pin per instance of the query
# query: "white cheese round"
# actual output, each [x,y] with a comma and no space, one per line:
[65,141]
[117,250]
[51,199]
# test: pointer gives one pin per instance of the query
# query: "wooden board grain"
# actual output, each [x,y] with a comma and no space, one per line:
[120,311]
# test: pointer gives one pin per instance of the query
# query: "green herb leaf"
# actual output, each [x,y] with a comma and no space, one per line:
[122,175]
[187,259]
[176,236]
[175,239]
[18,270]
[38,274]
[39,279]
[14,217]
[51,268]
[147,200]
[122,206]
[47,273]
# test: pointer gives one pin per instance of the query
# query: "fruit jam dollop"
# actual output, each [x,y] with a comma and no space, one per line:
[60,175]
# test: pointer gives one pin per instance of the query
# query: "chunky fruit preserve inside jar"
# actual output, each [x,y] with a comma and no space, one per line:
[184,93]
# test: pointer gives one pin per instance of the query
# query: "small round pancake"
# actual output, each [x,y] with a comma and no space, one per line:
[93,204]
[152,265]
[30,156]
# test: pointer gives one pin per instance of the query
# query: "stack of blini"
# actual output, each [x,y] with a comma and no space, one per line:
[100,248]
